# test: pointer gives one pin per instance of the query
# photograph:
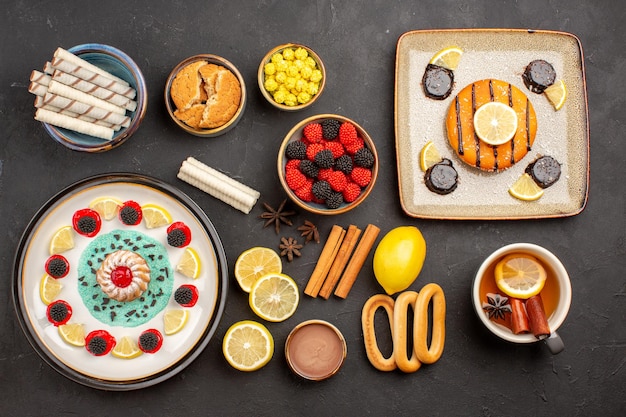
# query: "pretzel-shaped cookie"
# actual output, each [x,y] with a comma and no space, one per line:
[420,325]
[405,362]
[374,354]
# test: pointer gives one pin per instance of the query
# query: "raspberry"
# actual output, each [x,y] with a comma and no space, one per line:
[335,147]
[351,192]
[330,128]
[337,181]
[295,179]
[334,201]
[296,150]
[308,168]
[353,147]
[324,158]
[292,164]
[347,133]
[344,164]
[362,176]
[313,149]
[305,193]
[364,158]
[321,190]
[324,174]
[313,132]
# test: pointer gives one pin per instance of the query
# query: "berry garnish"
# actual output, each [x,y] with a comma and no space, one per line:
[178,235]
[130,213]
[86,222]
[57,266]
[150,341]
[186,295]
[59,312]
[99,342]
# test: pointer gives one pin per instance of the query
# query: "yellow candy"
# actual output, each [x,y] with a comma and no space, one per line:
[282,66]
[312,88]
[316,76]
[280,96]
[270,84]
[301,53]
[270,68]
[301,85]
[292,71]
[291,100]
[290,83]
[306,72]
[304,97]
[276,58]
[310,62]
[288,54]
[299,64]
[281,77]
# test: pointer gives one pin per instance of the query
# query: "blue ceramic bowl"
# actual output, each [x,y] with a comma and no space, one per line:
[121,65]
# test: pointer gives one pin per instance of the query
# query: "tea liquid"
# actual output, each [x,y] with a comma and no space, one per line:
[549,293]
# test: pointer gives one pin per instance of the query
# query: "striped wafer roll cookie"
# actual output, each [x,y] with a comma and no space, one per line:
[85,109]
[66,122]
[95,90]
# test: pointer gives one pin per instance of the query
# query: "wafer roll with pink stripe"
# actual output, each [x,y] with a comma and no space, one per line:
[40,78]
[40,104]
[61,53]
[63,90]
[66,122]
[93,77]
[86,109]
[95,90]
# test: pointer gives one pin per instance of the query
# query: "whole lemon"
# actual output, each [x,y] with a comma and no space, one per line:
[398,258]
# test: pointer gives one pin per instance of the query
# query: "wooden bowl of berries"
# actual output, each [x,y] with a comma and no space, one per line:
[327,164]
[291,76]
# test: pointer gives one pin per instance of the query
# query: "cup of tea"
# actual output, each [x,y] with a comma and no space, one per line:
[520,319]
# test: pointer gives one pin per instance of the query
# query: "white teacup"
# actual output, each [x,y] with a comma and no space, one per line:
[556,271]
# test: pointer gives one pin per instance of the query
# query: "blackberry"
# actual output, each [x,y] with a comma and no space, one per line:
[97,346]
[364,158]
[330,128]
[86,222]
[321,190]
[59,312]
[309,168]
[176,238]
[334,201]
[186,295]
[296,150]
[324,158]
[344,164]
[129,215]
[57,266]
[150,341]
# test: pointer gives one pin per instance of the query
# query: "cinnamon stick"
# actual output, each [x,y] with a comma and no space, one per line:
[537,317]
[357,260]
[338,265]
[519,318]
[325,261]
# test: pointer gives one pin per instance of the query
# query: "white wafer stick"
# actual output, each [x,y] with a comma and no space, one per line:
[68,56]
[71,123]
[63,90]
[40,78]
[37,89]
[219,185]
[85,109]
[220,176]
[95,90]
[40,104]
[85,74]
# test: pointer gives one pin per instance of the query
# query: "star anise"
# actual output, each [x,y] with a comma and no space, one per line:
[309,232]
[497,306]
[276,216]
[289,247]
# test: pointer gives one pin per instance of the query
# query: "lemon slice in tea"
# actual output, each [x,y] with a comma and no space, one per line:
[520,275]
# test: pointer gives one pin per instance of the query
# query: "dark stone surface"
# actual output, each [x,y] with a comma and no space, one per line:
[477,375]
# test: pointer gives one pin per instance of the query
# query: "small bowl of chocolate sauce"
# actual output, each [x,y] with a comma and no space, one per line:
[315,350]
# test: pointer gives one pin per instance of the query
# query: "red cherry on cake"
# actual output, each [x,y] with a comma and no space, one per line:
[178,235]
[122,276]
[130,213]
[86,222]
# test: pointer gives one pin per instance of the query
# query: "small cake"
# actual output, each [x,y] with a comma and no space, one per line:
[539,75]
[437,82]
[460,125]
[124,275]
[206,95]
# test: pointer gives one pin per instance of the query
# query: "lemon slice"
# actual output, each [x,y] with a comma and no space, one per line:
[107,207]
[556,94]
[254,263]
[62,240]
[126,348]
[448,58]
[49,288]
[525,188]
[520,275]
[73,334]
[274,297]
[429,156]
[189,263]
[174,320]
[248,345]
[155,216]
[495,123]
